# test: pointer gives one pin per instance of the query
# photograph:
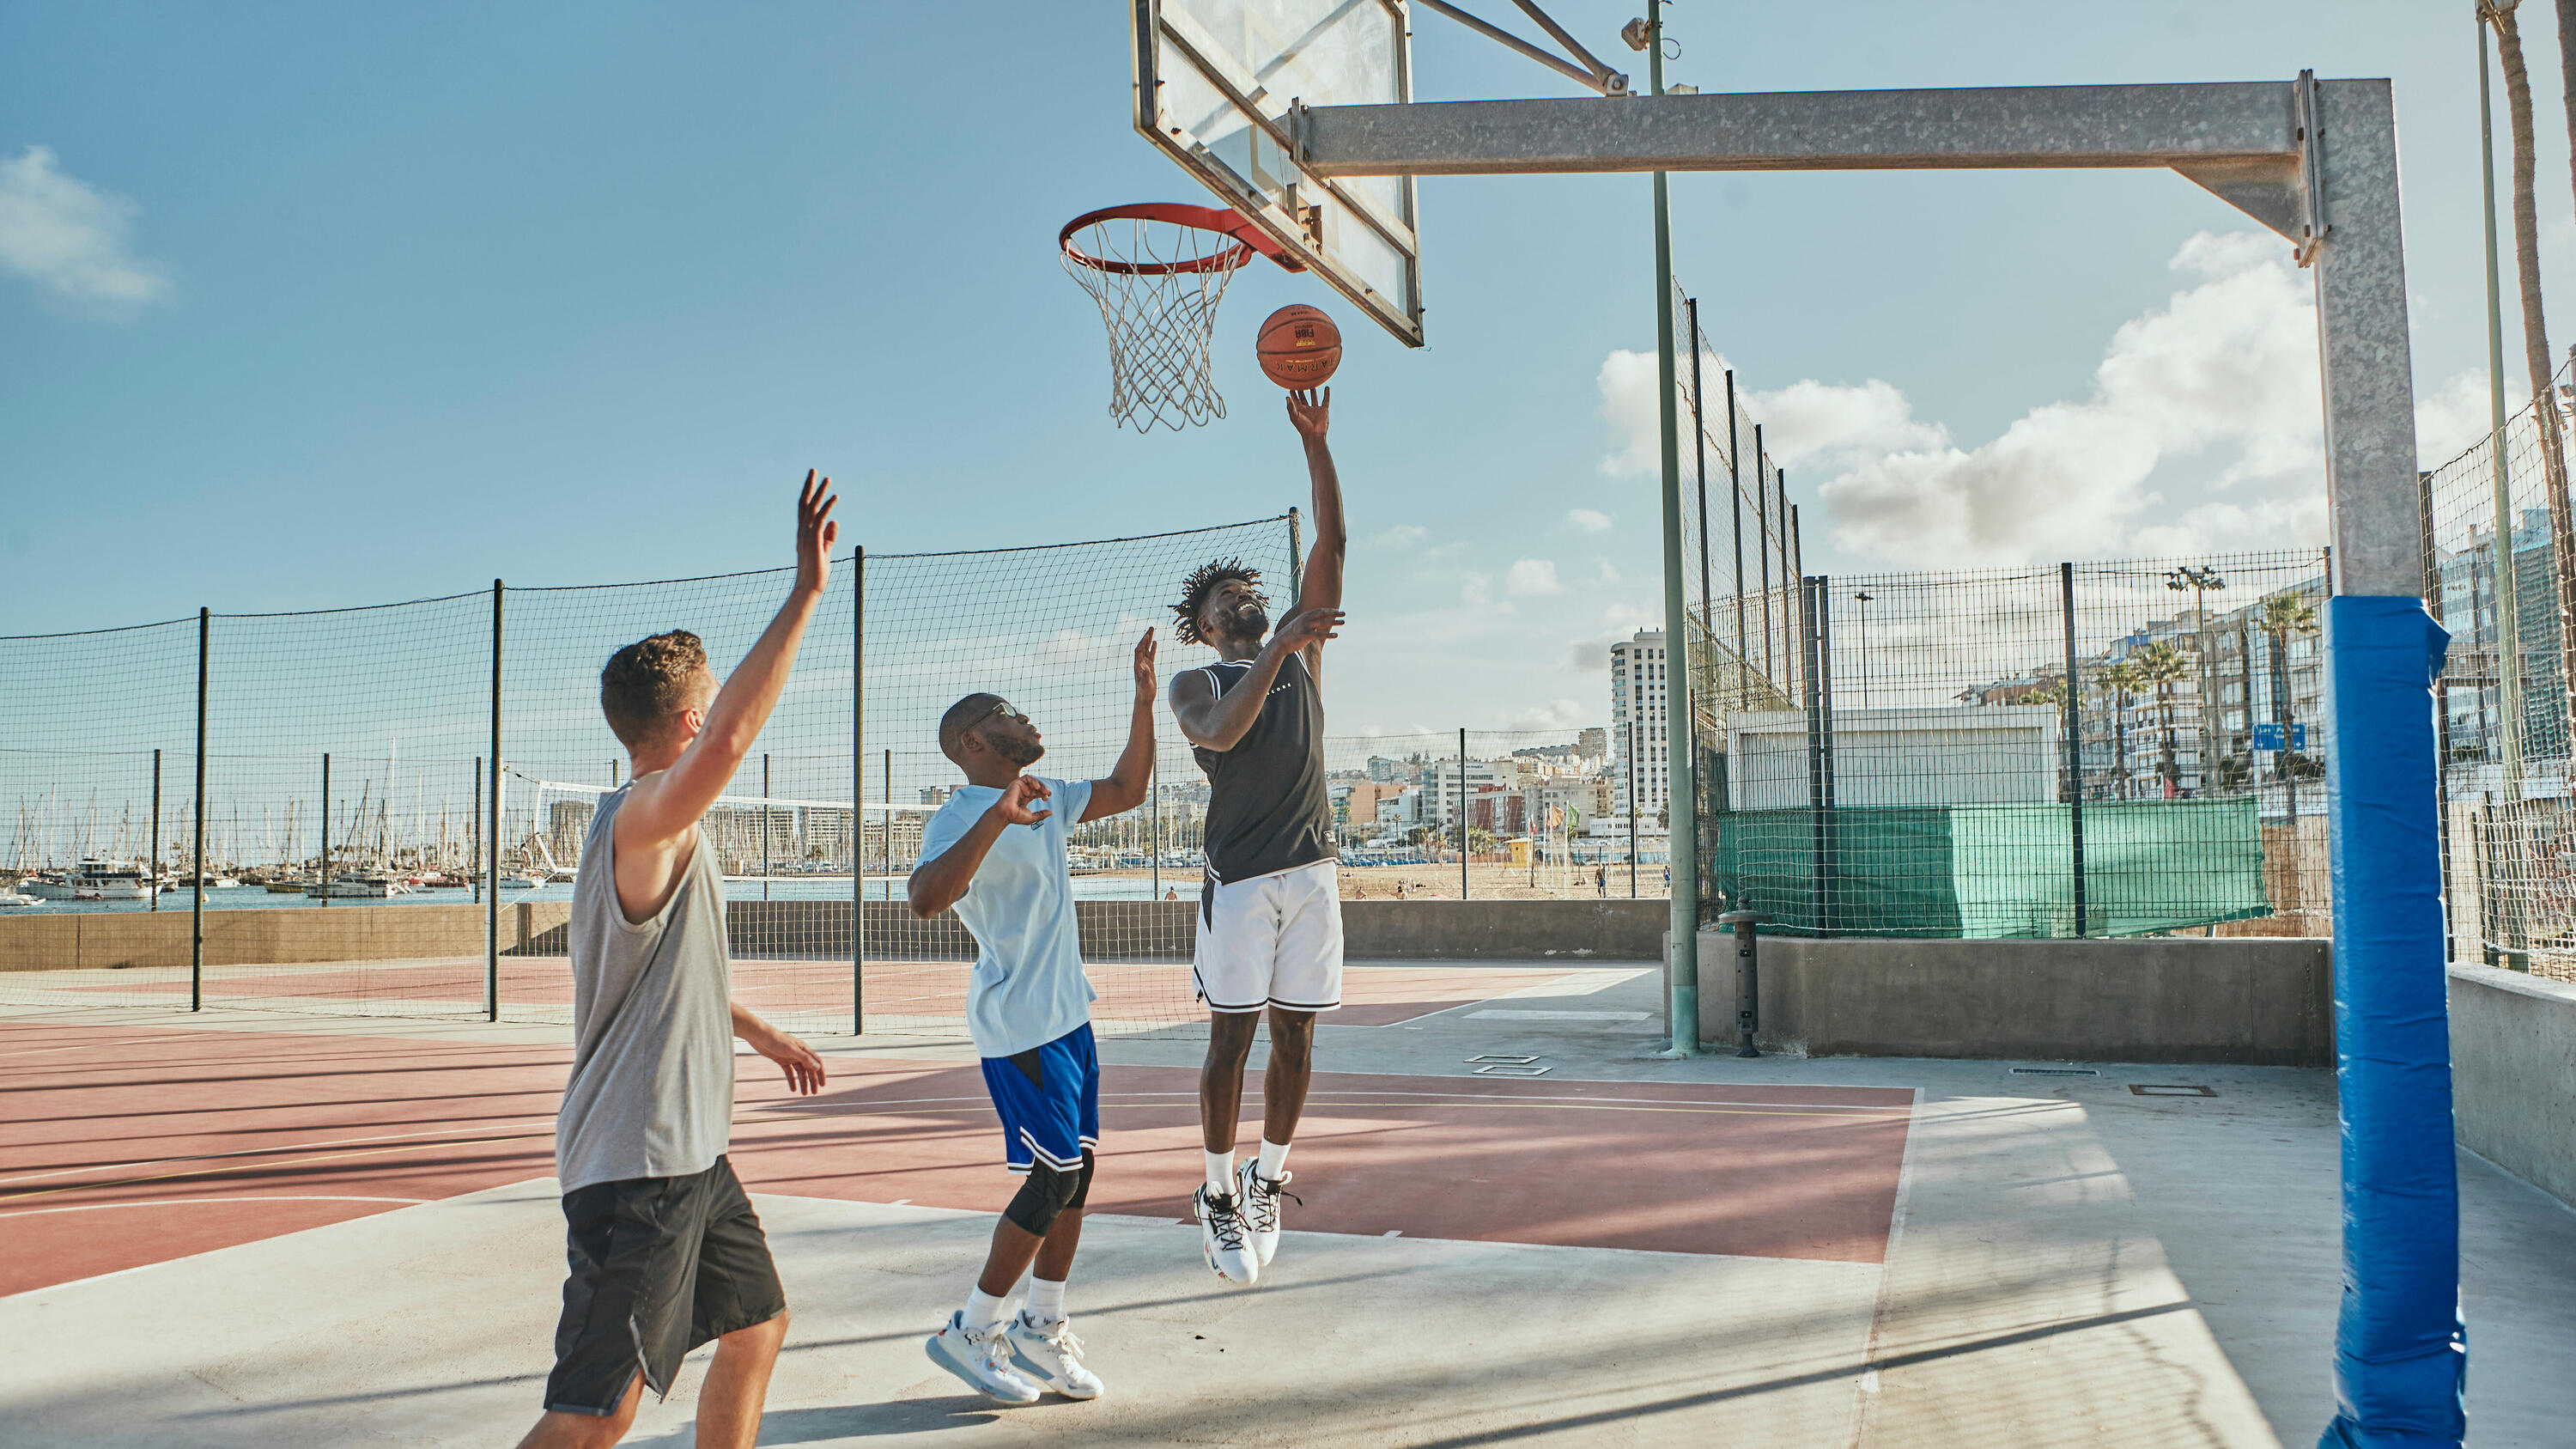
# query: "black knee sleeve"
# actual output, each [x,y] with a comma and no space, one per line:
[1082,1189]
[1045,1194]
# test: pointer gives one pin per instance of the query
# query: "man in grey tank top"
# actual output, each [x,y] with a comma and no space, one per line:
[665,1251]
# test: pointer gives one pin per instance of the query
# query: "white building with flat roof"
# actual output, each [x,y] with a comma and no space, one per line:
[1637,698]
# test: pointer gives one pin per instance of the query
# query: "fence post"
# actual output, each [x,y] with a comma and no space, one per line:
[1820,789]
[474,836]
[1735,487]
[154,880]
[492,839]
[1462,812]
[764,825]
[325,886]
[197,891]
[1762,550]
[859,790]
[2074,744]
[1699,447]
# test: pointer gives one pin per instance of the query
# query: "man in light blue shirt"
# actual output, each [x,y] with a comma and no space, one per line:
[996,852]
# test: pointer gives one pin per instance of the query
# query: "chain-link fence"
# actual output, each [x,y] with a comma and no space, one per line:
[1939,775]
[2509,838]
[395,799]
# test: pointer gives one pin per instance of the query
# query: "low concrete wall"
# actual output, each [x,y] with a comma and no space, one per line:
[2261,1001]
[1618,930]
[2513,1074]
[38,942]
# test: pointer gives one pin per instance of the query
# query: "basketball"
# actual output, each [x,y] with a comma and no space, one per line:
[1299,347]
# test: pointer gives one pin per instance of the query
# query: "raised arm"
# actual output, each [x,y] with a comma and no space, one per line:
[1320,586]
[941,881]
[1123,788]
[663,807]
[1218,722]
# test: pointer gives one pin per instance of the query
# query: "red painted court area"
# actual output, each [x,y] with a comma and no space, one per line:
[540,988]
[124,1146]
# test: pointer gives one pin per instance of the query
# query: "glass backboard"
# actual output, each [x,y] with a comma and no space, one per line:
[1215,82]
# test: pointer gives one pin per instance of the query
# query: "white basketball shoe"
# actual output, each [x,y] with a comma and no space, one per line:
[1260,1197]
[1226,1238]
[982,1357]
[1050,1354]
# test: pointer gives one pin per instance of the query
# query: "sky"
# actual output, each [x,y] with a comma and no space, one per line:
[305,306]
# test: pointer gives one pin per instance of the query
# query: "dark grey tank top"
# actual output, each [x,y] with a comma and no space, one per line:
[651,1093]
[1268,808]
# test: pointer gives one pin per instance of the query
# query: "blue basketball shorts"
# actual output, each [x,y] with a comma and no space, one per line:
[1048,1098]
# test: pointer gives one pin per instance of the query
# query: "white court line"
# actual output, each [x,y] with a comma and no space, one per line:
[1865,1406]
[92,1207]
[1887,1109]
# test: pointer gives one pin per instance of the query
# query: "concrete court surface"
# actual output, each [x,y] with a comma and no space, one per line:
[2068,1262]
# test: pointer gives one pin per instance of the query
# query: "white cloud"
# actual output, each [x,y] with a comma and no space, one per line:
[1533,578]
[1556,714]
[2452,418]
[1589,520]
[1402,535]
[69,237]
[2229,362]
[1477,589]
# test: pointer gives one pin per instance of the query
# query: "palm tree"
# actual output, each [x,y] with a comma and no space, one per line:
[2162,665]
[2499,14]
[2285,614]
[2122,680]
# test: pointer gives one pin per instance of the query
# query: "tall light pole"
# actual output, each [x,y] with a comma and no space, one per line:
[1682,997]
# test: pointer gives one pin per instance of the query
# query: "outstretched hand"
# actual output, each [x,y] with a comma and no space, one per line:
[1309,628]
[1145,681]
[1311,412]
[1017,797]
[804,1069]
[815,533]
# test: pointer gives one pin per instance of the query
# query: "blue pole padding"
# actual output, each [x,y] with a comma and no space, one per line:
[2401,1348]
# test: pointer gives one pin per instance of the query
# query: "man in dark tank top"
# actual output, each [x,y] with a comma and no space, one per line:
[1270,915]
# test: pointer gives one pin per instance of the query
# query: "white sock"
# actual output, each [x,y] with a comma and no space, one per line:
[1274,1158]
[1220,1173]
[1046,1301]
[983,1309]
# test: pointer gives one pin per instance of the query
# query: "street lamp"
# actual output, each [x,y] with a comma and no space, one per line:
[1863,598]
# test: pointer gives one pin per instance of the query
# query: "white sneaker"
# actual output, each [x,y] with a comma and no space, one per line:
[1260,1196]
[1050,1354]
[1224,1236]
[982,1359]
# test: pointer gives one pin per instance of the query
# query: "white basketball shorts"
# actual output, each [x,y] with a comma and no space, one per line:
[1274,940]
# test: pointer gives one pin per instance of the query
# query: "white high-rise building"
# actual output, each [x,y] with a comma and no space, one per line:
[1637,697]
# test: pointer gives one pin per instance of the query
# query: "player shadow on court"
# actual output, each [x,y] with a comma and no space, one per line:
[856,1421]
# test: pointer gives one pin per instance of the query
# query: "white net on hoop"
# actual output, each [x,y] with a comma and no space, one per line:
[1157,284]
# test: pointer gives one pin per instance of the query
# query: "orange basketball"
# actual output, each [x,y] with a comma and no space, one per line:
[1299,347]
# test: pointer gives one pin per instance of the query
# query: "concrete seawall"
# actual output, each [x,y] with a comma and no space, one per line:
[2258,1001]
[2513,1074]
[1577,930]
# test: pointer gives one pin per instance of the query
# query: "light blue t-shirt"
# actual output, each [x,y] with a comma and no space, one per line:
[1028,987]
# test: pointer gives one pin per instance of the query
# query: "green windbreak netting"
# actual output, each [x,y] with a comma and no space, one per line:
[1988,871]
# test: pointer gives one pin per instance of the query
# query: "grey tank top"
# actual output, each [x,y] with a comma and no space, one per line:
[651,1093]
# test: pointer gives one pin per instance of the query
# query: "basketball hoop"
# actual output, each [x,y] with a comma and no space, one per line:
[1158,271]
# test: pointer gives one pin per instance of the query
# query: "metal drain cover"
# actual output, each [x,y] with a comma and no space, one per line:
[2056,1072]
[2167,1089]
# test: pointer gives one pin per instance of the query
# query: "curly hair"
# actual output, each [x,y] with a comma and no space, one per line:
[1203,581]
[647,682]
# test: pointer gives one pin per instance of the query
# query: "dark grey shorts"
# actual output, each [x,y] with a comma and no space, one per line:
[660,1265]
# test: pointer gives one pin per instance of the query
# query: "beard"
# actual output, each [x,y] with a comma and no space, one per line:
[1248,621]
[1019,754]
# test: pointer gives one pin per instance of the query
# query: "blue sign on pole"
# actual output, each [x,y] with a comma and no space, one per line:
[2268,736]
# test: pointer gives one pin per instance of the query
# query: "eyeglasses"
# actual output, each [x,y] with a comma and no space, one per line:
[1000,707]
